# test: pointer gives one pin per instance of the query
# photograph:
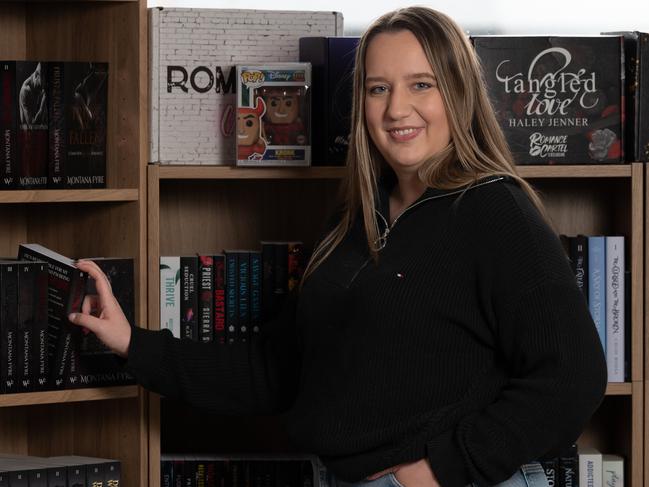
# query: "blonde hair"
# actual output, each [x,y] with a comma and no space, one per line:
[477,148]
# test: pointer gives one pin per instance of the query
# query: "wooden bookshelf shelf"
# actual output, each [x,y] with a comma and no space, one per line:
[231,172]
[619,389]
[586,171]
[73,395]
[68,195]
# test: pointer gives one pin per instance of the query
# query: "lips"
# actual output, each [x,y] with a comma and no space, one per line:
[404,134]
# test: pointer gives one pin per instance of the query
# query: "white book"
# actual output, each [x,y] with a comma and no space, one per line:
[170,294]
[590,468]
[615,308]
[613,470]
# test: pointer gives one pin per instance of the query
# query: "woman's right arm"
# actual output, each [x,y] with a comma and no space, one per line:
[256,377]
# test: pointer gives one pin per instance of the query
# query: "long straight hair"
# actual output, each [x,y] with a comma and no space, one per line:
[477,149]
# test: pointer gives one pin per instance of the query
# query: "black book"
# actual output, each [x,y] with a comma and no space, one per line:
[244,296]
[57,126]
[8,326]
[268,307]
[32,128]
[256,276]
[189,297]
[26,307]
[579,261]
[205,298]
[636,56]
[86,104]
[231,295]
[569,468]
[166,472]
[219,298]
[97,471]
[40,334]
[8,126]
[98,365]
[66,290]
[551,467]
[280,290]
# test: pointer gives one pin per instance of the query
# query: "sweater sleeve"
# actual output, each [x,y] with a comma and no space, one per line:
[257,377]
[548,346]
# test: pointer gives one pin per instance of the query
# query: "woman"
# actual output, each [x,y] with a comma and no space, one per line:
[439,337]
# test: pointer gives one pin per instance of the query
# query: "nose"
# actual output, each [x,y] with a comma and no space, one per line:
[399,104]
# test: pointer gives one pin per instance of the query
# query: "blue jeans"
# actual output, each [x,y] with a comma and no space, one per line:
[529,475]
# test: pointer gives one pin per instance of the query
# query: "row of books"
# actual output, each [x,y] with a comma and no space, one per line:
[53,124]
[598,469]
[226,297]
[253,471]
[62,471]
[39,348]
[599,266]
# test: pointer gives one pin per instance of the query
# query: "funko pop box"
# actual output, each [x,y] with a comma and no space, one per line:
[274,114]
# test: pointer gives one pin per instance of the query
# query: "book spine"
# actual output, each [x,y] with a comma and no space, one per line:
[219,298]
[112,474]
[295,264]
[40,333]
[8,316]
[231,295]
[590,469]
[551,468]
[615,326]
[244,296]
[612,470]
[569,468]
[170,294]
[206,298]
[189,297]
[281,275]
[166,473]
[57,132]
[26,287]
[642,107]
[8,124]
[268,307]
[596,287]
[255,293]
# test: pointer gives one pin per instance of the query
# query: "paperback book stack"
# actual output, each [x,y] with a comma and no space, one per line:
[226,297]
[205,470]
[39,348]
[599,266]
[63,471]
[53,124]
[600,470]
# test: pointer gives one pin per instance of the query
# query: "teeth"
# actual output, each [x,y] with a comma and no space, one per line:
[403,132]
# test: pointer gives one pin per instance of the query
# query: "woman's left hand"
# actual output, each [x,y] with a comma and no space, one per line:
[415,474]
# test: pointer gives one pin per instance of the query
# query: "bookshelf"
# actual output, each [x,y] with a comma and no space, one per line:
[105,422]
[194,208]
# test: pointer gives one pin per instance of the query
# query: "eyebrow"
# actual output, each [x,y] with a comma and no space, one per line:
[248,116]
[409,76]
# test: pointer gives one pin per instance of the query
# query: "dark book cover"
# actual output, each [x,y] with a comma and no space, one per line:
[256,275]
[201,472]
[40,357]
[86,94]
[98,365]
[8,125]
[66,290]
[280,290]
[95,475]
[569,468]
[288,473]
[32,130]
[189,473]
[579,262]
[244,296]
[38,477]
[558,99]
[332,60]
[166,473]
[551,468]
[268,307]
[636,55]
[8,326]
[296,264]
[189,297]
[231,295]
[57,128]
[112,473]
[205,298]
[26,307]
[178,469]
[57,477]
[219,298]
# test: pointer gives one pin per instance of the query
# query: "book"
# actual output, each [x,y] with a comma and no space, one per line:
[268,305]
[170,294]
[8,126]
[32,127]
[615,319]
[569,467]
[296,263]
[557,99]
[40,332]
[590,467]
[579,261]
[8,326]
[596,285]
[200,75]
[57,126]
[255,293]
[612,470]
[332,60]
[219,298]
[231,295]
[243,299]
[189,297]
[26,313]
[206,298]
[98,471]
[551,468]
[66,290]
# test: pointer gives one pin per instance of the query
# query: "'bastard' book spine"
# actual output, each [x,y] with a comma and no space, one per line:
[189,297]
[219,298]
[8,125]
[205,298]
[8,325]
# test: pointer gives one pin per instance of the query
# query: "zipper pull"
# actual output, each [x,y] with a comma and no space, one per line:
[380,242]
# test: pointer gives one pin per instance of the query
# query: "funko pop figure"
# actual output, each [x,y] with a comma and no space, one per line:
[250,143]
[282,123]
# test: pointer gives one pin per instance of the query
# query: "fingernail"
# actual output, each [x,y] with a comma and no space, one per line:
[72,316]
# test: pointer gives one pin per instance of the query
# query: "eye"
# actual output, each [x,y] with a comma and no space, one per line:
[273,103]
[377,90]
[422,85]
[288,103]
[249,123]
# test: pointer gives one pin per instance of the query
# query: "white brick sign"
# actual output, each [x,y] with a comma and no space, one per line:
[192,58]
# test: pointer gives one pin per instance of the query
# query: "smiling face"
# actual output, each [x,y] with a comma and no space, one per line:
[247,128]
[282,105]
[404,111]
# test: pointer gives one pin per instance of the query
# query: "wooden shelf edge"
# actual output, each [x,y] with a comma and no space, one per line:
[619,389]
[576,171]
[73,395]
[68,195]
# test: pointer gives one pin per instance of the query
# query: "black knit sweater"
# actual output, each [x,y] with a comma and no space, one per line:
[467,343]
